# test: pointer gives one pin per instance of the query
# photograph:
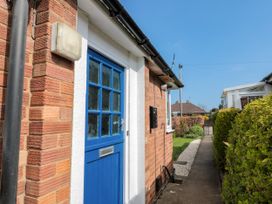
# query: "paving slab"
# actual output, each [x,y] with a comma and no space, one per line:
[201,186]
[186,158]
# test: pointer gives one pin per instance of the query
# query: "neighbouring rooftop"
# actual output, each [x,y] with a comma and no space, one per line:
[187,108]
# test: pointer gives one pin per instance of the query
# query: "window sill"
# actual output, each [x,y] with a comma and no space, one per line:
[170,130]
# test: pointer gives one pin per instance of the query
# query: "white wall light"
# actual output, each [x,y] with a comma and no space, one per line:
[66,42]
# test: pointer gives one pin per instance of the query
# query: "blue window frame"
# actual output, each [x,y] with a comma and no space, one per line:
[105,102]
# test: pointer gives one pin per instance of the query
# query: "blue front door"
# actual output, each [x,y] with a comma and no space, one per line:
[103,179]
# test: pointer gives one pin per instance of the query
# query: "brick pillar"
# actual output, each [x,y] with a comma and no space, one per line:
[50,114]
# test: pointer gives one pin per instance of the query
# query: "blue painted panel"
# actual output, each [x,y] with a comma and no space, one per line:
[104,169]
[105,173]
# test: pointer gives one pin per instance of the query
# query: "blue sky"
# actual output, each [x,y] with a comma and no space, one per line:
[220,43]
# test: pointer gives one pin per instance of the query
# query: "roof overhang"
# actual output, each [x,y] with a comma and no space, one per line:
[129,33]
[244,87]
[268,79]
[163,76]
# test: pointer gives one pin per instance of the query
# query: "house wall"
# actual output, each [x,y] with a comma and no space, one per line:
[45,143]
[158,144]
[53,122]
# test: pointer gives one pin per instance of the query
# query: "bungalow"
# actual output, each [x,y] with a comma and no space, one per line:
[85,101]
[239,96]
[187,108]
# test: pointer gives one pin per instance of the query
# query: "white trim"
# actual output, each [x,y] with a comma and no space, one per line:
[99,18]
[134,146]
[78,133]
[168,97]
[255,93]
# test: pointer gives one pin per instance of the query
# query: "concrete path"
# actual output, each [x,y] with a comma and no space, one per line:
[186,158]
[201,186]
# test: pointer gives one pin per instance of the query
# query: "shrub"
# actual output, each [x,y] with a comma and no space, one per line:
[195,131]
[182,128]
[222,126]
[189,120]
[194,120]
[248,177]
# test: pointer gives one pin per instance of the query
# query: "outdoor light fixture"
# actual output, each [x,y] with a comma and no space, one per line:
[164,87]
[66,42]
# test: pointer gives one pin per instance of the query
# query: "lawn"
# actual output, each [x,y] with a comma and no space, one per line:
[179,144]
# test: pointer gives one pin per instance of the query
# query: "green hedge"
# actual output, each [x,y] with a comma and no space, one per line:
[248,177]
[222,126]
[213,116]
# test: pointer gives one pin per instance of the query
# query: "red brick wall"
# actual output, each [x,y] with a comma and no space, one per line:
[5,26]
[158,146]
[49,142]
[45,148]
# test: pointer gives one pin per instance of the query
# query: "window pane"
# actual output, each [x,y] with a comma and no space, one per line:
[116,80]
[116,102]
[93,98]
[94,72]
[106,75]
[116,124]
[105,125]
[105,100]
[93,124]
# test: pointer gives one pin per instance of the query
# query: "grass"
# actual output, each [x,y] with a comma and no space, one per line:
[179,145]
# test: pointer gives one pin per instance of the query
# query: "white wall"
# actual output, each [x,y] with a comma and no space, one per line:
[268,88]
[134,169]
[239,93]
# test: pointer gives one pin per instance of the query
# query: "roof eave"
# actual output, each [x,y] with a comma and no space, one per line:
[119,14]
[267,79]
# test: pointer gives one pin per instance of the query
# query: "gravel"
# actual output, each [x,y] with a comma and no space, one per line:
[186,158]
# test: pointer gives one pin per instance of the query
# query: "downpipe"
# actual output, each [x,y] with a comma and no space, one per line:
[13,102]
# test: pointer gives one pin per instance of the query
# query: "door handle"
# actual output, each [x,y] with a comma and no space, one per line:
[122,125]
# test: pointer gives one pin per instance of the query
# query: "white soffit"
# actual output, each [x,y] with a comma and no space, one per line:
[244,86]
[100,19]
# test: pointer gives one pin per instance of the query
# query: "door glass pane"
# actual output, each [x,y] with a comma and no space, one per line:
[93,124]
[105,125]
[116,80]
[94,72]
[106,75]
[105,100]
[116,124]
[116,102]
[93,98]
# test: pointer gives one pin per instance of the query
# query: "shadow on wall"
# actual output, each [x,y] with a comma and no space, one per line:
[158,185]
[137,199]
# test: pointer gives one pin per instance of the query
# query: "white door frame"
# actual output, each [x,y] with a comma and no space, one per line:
[134,145]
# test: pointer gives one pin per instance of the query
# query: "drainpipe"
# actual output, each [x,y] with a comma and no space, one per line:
[13,102]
